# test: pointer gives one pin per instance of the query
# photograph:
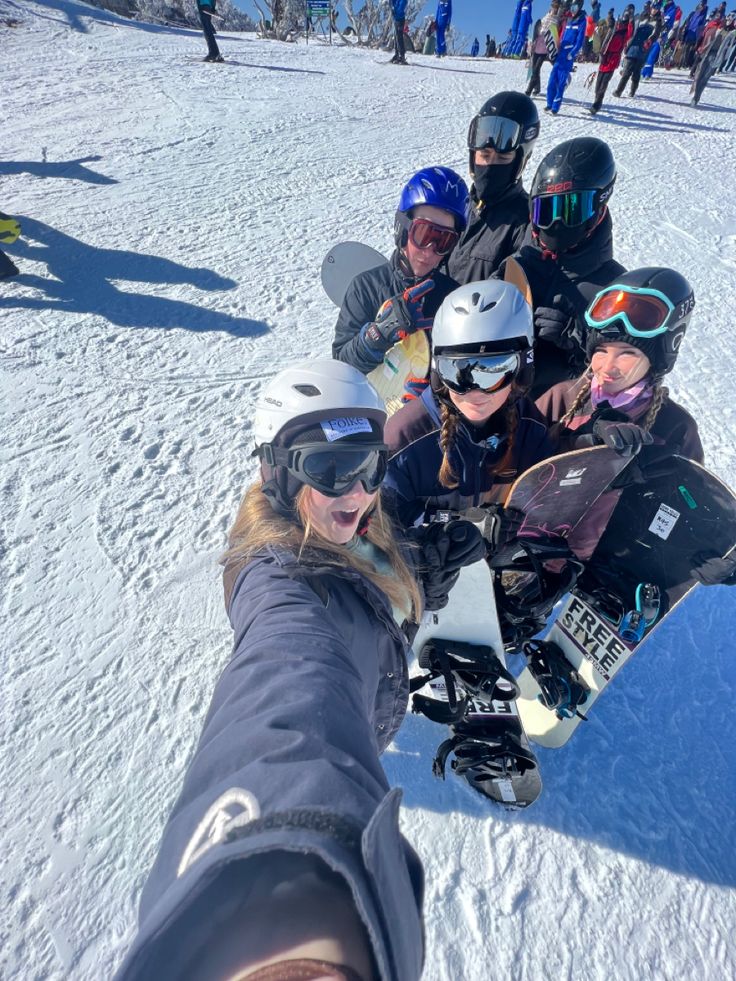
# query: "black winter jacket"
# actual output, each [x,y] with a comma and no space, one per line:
[493,234]
[364,298]
[577,275]
[288,760]
[412,484]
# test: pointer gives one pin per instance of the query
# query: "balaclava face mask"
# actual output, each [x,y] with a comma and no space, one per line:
[493,179]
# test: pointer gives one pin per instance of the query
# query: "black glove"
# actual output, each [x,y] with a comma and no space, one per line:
[716,571]
[559,325]
[501,526]
[398,317]
[445,549]
[625,438]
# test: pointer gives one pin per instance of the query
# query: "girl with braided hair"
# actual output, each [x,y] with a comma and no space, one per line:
[461,445]
[635,328]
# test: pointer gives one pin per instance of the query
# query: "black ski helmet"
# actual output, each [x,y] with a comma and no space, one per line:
[520,135]
[661,349]
[583,164]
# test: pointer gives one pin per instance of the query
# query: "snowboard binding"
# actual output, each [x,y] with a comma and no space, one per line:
[562,688]
[538,584]
[484,759]
[469,671]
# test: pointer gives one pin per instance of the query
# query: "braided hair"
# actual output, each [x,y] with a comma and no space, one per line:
[449,423]
[660,394]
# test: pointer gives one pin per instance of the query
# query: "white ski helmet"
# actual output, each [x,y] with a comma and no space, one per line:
[322,401]
[488,317]
[305,393]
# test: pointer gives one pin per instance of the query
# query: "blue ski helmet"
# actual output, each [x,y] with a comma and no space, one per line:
[439,187]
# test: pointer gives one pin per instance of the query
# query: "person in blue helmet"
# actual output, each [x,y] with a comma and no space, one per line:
[401,296]
[570,44]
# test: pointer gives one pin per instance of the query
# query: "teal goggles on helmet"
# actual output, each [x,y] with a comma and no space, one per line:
[572,208]
[643,312]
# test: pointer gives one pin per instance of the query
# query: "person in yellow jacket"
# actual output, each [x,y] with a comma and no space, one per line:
[9,232]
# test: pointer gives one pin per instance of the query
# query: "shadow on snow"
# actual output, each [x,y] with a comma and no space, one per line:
[80,282]
[73,170]
[652,774]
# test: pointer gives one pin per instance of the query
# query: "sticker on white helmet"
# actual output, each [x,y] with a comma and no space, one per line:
[338,428]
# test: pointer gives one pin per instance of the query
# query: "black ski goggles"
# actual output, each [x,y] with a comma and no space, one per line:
[332,470]
[494,133]
[484,372]
[571,208]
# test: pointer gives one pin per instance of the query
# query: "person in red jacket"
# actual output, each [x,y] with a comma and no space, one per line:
[611,51]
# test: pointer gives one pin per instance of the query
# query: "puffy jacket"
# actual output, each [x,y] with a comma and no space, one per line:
[316,688]
[444,13]
[576,275]
[646,30]
[674,427]
[412,483]
[398,9]
[363,299]
[493,233]
[614,44]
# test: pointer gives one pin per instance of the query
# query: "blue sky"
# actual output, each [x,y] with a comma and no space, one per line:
[481,17]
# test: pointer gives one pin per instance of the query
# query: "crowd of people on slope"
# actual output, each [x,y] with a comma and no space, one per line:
[283,857]
[566,35]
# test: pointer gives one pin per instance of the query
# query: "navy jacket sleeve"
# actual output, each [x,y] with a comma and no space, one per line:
[288,760]
[360,305]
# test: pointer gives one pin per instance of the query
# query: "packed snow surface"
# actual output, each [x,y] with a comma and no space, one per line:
[175,215]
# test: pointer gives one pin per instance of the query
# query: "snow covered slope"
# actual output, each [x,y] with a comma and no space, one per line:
[175,215]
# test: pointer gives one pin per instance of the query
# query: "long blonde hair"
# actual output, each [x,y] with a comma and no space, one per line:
[659,395]
[257,526]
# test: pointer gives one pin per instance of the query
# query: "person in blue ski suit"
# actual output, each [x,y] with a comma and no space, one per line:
[286,833]
[398,11]
[570,44]
[648,69]
[442,20]
[520,26]
[475,48]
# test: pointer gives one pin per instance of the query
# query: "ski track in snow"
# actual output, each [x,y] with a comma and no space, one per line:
[175,216]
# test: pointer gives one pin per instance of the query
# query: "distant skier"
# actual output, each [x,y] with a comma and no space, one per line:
[646,32]
[709,60]
[548,26]
[269,861]
[206,10]
[9,232]
[611,51]
[475,48]
[398,11]
[442,19]
[571,41]
[501,138]
[520,27]
[402,296]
